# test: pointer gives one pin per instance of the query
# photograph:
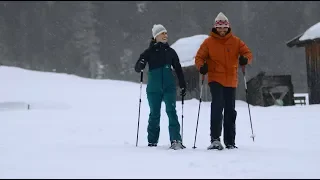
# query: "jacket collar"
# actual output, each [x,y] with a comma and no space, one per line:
[154,44]
[215,34]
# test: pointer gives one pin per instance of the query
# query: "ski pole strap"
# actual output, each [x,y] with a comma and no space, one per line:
[202,81]
[182,99]
[141,77]
[243,70]
[203,75]
[244,78]
[245,84]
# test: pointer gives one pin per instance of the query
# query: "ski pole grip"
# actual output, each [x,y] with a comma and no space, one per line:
[141,76]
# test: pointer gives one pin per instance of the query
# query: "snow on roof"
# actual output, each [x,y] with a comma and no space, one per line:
[312,33]
[187,48]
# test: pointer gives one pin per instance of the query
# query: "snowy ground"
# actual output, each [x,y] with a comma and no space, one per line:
[80,128]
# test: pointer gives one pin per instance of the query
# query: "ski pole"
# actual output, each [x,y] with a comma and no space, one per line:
[182,101]
[141,80]
[200,100]
[245,85]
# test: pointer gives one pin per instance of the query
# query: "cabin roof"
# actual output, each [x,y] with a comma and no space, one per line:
[187,48]
[311,35]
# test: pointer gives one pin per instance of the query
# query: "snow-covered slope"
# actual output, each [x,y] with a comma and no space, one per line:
[187,48]
[81,128]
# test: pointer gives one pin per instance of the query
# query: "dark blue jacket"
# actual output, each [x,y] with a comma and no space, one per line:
[160,58]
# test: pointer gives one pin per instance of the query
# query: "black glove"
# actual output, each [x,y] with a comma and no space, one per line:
[243,61]
[140,65]
[204,69]
[183,92]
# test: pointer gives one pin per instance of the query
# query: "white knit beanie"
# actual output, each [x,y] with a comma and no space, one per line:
[158,29]
[221,21]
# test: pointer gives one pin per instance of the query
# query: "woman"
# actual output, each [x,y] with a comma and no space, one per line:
[160,57]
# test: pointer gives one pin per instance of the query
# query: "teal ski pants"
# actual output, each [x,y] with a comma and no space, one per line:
[155,99]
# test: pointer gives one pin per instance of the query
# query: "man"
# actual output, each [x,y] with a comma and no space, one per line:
[219,56]
[161,85]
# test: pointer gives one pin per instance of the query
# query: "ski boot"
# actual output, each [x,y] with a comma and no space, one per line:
[152,144]
[215,144]
[177,145]
[231,147]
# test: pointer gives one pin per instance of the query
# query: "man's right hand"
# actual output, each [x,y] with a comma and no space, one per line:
[204,69]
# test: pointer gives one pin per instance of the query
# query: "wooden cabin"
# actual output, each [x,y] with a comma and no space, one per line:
[193,79]
[310,40]
[270,90]
[186,49]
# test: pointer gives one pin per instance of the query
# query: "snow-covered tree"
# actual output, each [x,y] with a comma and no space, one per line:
[86,40]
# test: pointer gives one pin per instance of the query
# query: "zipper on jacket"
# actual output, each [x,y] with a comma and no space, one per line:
[162,80]
[164,58]
[226,65]
[161,50]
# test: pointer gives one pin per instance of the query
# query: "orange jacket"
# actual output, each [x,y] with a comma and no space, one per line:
[222,57]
